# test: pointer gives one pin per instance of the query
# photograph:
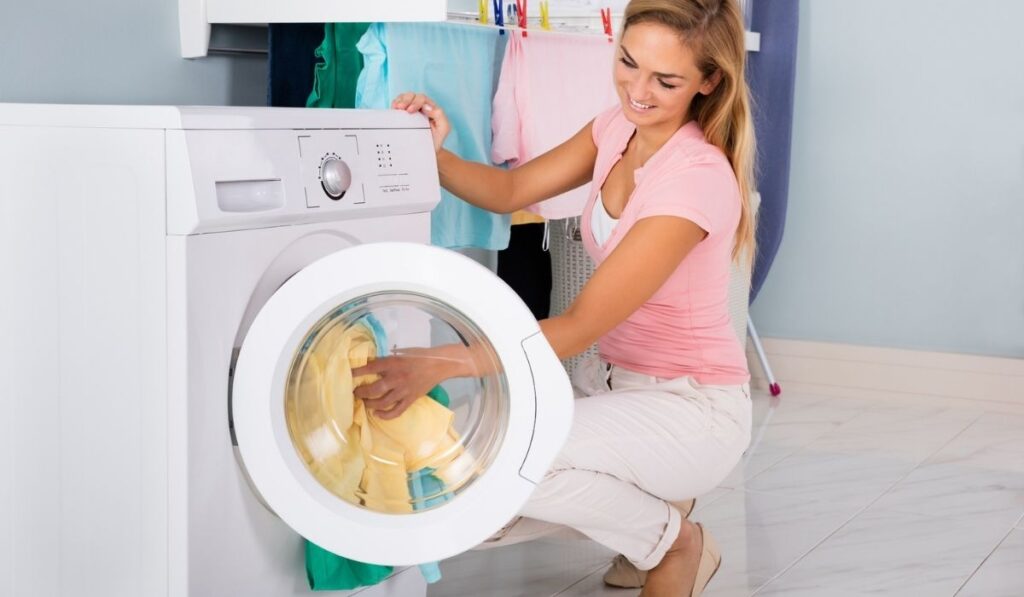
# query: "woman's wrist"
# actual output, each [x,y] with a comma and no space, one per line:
[443,158]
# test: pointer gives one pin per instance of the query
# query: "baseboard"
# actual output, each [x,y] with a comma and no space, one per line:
[819,364]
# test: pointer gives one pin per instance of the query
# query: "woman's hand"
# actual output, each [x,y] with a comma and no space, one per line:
[404,378]
[417,102]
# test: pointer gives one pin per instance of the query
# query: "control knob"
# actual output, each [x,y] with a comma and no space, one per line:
[335,177]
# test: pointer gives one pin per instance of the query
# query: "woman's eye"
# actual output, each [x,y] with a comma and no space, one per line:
[666,85]
[627,63]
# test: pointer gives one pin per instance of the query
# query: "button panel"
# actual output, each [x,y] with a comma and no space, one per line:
[229,180]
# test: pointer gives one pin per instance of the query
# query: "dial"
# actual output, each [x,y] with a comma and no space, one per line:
[335,177]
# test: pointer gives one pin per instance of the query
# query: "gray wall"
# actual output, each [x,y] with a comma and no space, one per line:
[114,51]
[906,217]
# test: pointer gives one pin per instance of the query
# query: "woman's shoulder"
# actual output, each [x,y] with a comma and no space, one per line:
[695,150]
[609,122]
[694,164]
[692,160]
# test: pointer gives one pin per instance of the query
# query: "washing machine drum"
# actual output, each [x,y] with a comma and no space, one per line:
[449,472]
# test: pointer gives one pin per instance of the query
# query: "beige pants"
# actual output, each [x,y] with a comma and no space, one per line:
[636,442]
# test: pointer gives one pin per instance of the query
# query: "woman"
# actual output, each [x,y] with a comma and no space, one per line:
[671,171]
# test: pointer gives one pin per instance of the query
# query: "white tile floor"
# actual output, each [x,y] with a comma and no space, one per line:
[844,496]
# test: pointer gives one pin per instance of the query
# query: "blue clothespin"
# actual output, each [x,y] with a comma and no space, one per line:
[499,15]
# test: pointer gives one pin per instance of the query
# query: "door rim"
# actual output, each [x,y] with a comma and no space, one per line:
[271,461]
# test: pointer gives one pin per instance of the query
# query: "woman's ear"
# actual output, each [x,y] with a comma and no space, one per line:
[710,83]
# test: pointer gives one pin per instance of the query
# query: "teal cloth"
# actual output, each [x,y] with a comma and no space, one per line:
[327,571]
[422,483]
[334,79]
[456,66]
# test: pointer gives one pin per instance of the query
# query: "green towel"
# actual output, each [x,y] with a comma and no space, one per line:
[330,572]
[334,80]
[440,396]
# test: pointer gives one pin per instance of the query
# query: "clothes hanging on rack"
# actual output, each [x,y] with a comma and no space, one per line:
[524,217]
[526,264]
[290,62]
[334,81]
[422,57]
[526,267]
[531,112]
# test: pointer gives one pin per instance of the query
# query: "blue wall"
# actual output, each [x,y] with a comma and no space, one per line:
[906,208]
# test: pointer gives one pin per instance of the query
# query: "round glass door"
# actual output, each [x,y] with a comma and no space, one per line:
[457,464]
[431,452]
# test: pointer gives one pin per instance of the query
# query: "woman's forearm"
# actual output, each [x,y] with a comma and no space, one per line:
[484,186]
[459,360]
[566,336]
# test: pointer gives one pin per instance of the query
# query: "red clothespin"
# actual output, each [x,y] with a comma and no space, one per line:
[521,13]
[606,20]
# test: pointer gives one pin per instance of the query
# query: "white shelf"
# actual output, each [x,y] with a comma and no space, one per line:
[196,16]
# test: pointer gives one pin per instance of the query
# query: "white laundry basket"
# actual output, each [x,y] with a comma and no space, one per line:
[571,267]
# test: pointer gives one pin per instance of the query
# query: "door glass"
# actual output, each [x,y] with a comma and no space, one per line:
[437,447]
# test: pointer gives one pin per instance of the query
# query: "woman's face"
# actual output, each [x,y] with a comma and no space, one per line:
[656,76]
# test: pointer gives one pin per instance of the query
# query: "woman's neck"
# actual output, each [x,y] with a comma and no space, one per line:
[648,140]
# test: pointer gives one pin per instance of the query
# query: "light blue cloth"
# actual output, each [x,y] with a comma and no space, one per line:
[327,571]
[454,65]
[422,482]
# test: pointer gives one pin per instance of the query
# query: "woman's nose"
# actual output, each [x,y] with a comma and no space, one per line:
[637,88]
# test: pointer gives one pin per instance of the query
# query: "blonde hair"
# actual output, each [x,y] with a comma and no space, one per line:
[713,30]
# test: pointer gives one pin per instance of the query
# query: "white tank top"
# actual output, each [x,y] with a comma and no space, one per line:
[601,222]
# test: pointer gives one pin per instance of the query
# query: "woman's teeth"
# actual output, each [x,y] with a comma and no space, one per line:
[638,105]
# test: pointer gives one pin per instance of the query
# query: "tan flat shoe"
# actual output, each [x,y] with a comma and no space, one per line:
[710,562]
[623,573]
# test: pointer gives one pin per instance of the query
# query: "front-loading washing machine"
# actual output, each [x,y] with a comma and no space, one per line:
[176,281]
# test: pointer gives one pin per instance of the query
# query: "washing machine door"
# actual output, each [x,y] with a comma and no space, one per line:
[449,472]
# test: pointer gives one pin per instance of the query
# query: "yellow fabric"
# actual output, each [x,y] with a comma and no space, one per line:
[525,217]
[355,454]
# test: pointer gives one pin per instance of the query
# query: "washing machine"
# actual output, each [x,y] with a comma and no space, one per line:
[176,283]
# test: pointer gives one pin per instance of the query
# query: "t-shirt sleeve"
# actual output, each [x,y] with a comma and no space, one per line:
[705,193]
[601,123]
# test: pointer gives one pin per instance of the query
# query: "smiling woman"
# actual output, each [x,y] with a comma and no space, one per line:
[668,412]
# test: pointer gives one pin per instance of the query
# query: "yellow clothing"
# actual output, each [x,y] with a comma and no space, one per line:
[526,217]
[355,454]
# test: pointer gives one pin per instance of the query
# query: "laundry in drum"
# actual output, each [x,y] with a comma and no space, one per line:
[395,466]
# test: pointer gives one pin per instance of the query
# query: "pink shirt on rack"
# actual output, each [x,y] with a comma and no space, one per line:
[550,86]
[684,329]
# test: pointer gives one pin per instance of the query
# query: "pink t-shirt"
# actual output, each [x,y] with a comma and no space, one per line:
[684,329]
[531,113]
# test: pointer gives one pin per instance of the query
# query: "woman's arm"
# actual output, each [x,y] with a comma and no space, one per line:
[634,271]
[641,263]
[564,168]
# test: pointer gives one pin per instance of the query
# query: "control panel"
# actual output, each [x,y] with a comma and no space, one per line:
[234,179]
[351,168]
